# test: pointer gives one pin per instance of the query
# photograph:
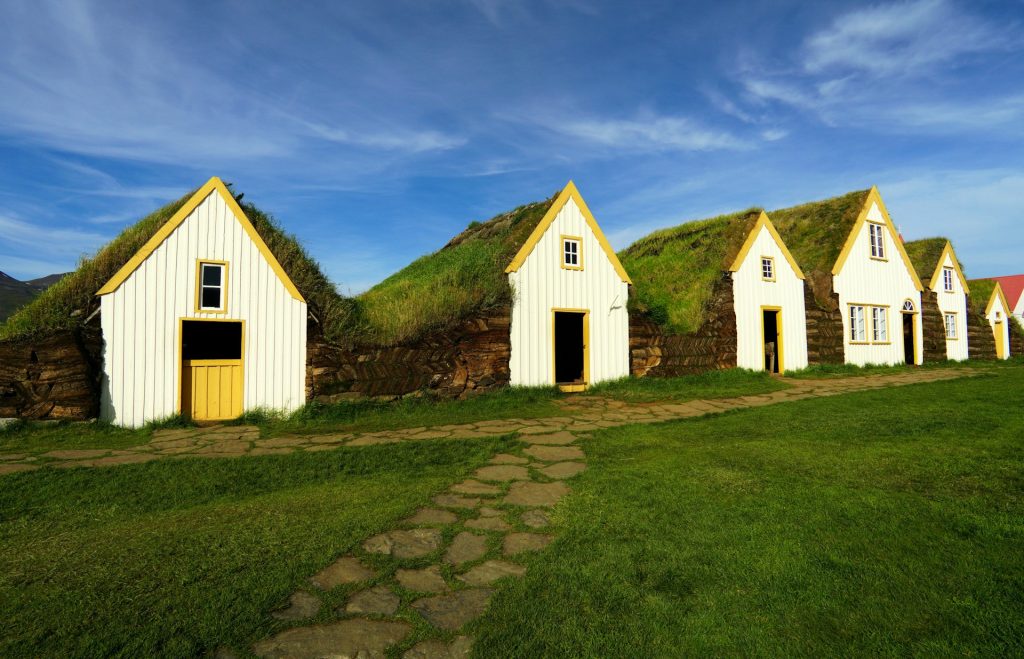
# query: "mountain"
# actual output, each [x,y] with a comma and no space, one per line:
[15,294]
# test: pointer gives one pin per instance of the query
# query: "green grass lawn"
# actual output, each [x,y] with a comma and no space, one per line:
[713,384]
[179,557]
[888,522]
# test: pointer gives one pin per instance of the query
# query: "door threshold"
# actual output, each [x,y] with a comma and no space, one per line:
[572,388]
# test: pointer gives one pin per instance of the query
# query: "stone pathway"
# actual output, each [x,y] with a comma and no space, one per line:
[583,414]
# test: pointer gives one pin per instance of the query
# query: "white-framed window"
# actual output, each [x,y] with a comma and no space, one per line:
[877,234]
[879,324]
[572,254]
[947,280]
[858,334]
[767,268]
[950,325]
[211,286]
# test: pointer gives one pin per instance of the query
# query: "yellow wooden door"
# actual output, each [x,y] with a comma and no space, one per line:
[211,389]
[1000,341]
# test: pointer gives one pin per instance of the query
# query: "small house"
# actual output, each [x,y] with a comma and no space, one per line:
[1013,290]
[202,320]
[994,335]
[724,292]
[944,310]
[865,288]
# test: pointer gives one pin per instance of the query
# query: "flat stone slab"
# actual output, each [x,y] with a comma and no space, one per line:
[488,524]
[475,487]
[560,438]
[466,547]
[77,454]
[535,519]
[503,473]
[366,639]
[490,512]
[301,605]
[536,494]
[114,460]
[459,648]
[519,543]
[11,468]
[411,543]
[487,573]
[454,501]
[554,453]
[541,429]
[373,441]
[450,612]
[428,516]
[346,569]
[379,599]
[507,459]
[562,470]
[427,580]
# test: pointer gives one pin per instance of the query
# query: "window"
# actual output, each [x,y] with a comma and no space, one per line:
[767,268]
[947,279]
[908,306]
[950,325]
[572,257]
[879,324]
[211,286]
[877,241]
[857,332]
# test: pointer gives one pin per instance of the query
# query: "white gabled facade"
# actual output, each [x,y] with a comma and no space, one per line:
[543,284]
[997,312]
[866,281]
[144,308]
[951,290]
[754,293]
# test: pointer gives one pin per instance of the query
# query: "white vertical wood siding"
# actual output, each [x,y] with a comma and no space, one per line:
[955,302]
[751,292]
[998,307]
[540,285]
[864,280]
[141,320]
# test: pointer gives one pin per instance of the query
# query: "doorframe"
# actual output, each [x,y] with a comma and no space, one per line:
[181,350]
[586,350]
[913,332]
[780,350]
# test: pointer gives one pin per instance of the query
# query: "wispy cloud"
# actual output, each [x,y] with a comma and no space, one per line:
[900,38]
[648,133]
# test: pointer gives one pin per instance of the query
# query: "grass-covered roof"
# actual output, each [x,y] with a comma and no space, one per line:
[674,270]
[438,290]
[70,301]
[816,232]
[981,293]
[925,254]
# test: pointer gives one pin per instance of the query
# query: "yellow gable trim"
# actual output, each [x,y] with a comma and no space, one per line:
[937,275]
[213,185]
[569,192]
[764,222]
[875,197]
[997,294]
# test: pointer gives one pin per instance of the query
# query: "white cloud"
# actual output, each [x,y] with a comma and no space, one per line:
[900,38]
[649,133]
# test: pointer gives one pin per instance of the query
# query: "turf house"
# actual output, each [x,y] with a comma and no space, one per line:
[866,293]
[995,337]
[1013,289]
[717,293]
[944,309]
[196,309]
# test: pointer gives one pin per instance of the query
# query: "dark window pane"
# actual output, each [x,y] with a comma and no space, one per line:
[211,298]
[211,340]
[211,275]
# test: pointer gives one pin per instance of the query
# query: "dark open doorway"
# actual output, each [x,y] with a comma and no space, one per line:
[772,353]
[570,347]
[909,345]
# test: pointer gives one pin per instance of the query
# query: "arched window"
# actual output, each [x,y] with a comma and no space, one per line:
[908,306]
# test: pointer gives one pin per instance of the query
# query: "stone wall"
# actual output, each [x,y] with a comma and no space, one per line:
[457,363]
[654,353]
[933,327]
[1016,339]
[981,342]
[824,322]
[57,377]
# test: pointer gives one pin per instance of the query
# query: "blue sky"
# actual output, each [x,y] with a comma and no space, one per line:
[376,130]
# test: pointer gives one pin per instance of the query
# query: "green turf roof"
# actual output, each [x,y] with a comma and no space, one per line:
[674,270]
[816,232]
[981,293]
[437,291]
[925,254]
[64,305]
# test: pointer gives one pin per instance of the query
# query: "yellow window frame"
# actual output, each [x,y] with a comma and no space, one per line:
[198,307]
[579,251]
